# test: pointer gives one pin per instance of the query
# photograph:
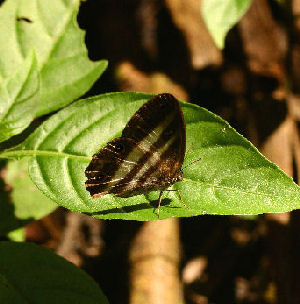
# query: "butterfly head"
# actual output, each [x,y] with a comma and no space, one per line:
[175,179]
[180,176]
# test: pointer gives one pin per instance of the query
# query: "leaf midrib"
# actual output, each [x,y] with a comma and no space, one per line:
[231,188]
[24,153]
[31,153]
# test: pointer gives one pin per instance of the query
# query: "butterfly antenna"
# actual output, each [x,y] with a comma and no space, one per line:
[193,162]
[180,197]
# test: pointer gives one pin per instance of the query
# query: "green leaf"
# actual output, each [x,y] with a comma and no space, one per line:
[17,235]
[18,95]
[32,274]
[8,221]
[49,30]
[221,16]
[29,202]
[232,177]
[21,201]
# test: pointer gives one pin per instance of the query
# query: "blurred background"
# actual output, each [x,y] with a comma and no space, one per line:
[160,46]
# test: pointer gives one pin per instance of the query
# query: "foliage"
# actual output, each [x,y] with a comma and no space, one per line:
[43,68]
[42,59]
[28,201]
[230,171]
[30,273]
[221,16]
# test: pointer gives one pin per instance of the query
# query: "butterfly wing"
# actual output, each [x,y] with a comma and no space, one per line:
[148,156]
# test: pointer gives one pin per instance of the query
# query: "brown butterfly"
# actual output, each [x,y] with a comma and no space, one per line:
[147,157]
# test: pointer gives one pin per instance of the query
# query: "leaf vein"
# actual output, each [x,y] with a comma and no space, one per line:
[232,189]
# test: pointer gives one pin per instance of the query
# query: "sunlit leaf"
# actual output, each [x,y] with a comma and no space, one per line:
[19,94]
[232,177]
[43,61]
[29,202]
[17,235]
[221,16]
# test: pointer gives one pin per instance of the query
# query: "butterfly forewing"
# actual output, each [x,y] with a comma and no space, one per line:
[148,156]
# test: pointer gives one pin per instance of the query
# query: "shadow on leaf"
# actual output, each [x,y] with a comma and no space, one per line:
[132,208]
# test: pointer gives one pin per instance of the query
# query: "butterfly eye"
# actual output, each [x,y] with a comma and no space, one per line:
[119,147]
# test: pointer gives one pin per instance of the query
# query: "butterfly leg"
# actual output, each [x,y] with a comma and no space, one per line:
[180,197]
[159,201]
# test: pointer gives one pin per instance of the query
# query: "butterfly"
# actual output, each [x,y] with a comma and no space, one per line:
[147,157]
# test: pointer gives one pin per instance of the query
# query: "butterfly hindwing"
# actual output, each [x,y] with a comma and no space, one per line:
[148,156]
[110,165]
